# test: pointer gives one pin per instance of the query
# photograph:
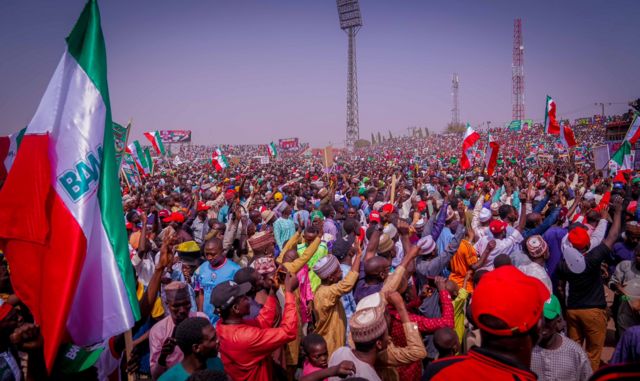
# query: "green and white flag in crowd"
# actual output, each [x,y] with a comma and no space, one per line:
[156,141]
[120,137]
[218,160]
[622,160]
[149,160]
[273,150]
[68,251]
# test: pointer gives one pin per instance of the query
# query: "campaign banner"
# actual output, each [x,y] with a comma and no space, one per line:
[517,125]
[288,143]
[130,171]
[601,156]
[582,122]
[175,136]
[120,136]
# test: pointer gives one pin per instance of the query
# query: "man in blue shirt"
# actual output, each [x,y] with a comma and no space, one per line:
[217,269]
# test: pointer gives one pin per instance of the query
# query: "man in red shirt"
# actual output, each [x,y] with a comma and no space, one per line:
[507,308]
[246,345]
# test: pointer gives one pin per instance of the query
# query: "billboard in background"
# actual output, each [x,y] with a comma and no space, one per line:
[288,143]
[175,136]
[517,125]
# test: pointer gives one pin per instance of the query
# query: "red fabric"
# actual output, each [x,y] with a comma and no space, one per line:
[579,238]
[151,137]
[552,126]
[374,216]
[506,285]
[471,137]
[245,349]
[604,201]
[413,371]
[567,136]
[477,366]
[45,246]
[5,143]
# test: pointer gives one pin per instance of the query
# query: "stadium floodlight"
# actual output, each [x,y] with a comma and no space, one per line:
[349,13]
[350,22]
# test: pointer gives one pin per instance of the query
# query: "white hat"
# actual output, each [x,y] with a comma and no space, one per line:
[426,244]
[572,257]
[485,215]
[373,300]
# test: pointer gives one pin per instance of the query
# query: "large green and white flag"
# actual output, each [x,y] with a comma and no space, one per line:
[273,150]
[61,207]
[8,150]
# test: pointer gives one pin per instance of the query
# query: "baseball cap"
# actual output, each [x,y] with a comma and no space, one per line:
[552,308]
[508,294]
[579,238]
[201,206]
[174,217]
[497,226]
[374,216]
[225,294]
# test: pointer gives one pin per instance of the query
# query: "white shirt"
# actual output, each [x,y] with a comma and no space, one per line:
[535,270]
[503,246]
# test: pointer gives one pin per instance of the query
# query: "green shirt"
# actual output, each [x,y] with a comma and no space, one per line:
[177,372]
[322,251]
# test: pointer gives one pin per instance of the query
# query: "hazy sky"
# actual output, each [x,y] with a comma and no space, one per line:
[255,71]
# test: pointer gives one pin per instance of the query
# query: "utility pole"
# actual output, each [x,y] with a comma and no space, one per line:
[601,104]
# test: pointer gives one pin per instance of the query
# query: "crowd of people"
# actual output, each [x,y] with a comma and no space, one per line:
[394,264]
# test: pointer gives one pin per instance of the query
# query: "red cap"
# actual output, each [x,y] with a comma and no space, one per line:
[229,194]
[387,208]
[201,206]
[631,208]
[129,225]
[497,226]
[579,238]
[620,178]
[174,217]
[163,213]
[422,206]
[374,216]
[508,294]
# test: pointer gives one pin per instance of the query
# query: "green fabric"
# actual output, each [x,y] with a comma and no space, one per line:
[86,44]
[317,214]
[552,308]
[177,372]
[322,251]
[74,359]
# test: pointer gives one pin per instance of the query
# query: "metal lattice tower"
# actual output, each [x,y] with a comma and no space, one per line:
[350,22]
[455,111]
[517,68]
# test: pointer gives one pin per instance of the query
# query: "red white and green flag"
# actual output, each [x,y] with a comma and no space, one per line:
[148,159]
[156,141]
[137,154]
[551,125]
[8,150]
[622,160]
[491,155]
[633,133]
[470,138]
[567,138]
[218,160]
[273,150]
[61,208]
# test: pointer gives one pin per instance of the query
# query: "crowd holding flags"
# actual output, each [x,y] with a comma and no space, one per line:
[491,155]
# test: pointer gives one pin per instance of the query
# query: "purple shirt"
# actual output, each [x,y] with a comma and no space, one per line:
[628,348]
[553,237]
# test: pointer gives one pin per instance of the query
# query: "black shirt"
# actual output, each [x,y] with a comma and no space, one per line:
[586,290]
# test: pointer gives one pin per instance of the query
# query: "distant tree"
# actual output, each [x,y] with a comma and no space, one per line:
[373,139]
[379,138]
[426,131]
[455,128]
[418,132]
[390,136]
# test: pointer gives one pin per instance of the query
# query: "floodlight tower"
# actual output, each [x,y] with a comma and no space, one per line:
[455,111]
[350,22]
[517,72]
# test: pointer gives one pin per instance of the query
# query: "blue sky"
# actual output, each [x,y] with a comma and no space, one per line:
[255,71]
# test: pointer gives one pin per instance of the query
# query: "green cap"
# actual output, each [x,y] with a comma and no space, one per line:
[552,308]
[635,180]
[73,359]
